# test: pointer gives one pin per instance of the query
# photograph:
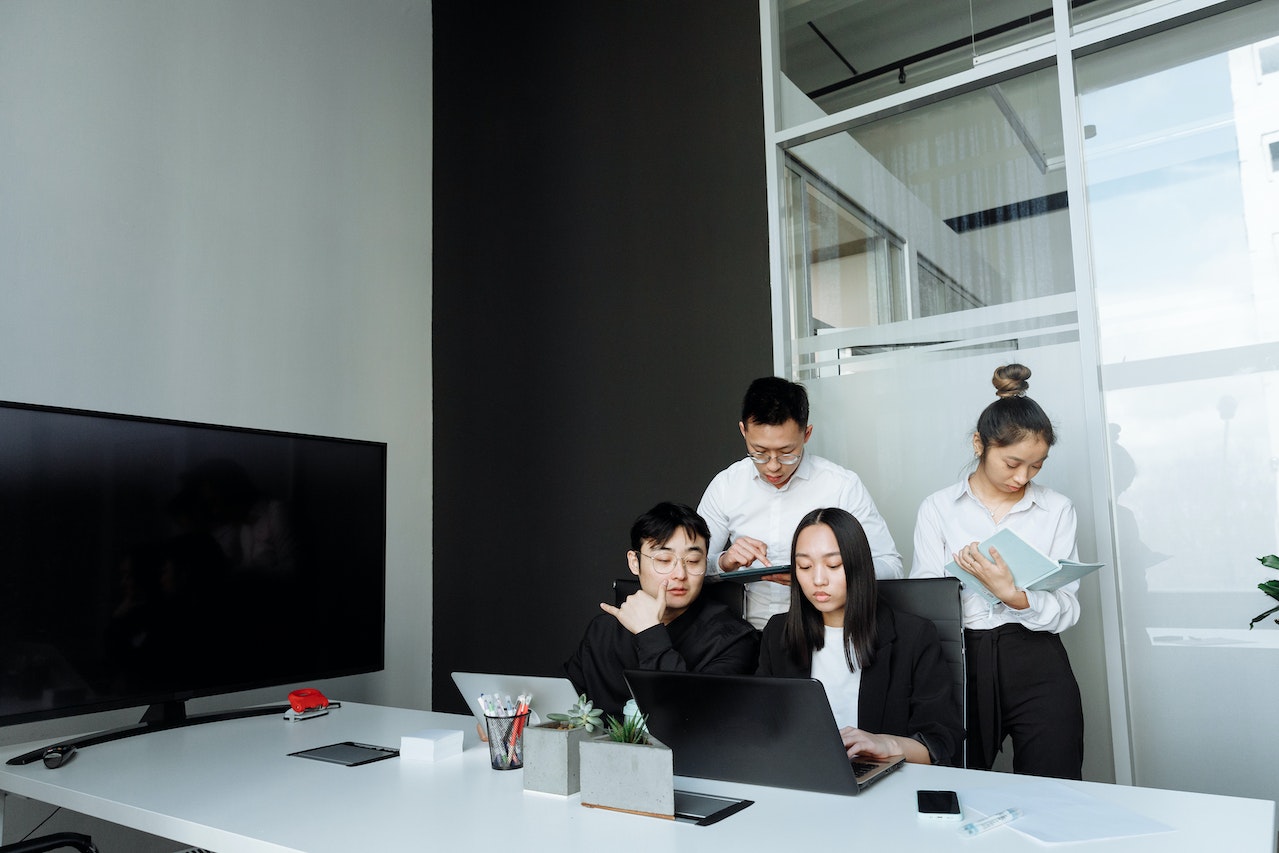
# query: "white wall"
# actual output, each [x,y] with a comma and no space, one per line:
[220,211]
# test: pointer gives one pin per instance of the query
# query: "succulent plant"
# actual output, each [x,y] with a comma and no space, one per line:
[628,729]
[583,714]
[632,728]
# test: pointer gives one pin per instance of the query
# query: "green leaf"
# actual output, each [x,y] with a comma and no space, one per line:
[628,729]
[1262,616]
[582,714]
[1270,561]
[1270,588]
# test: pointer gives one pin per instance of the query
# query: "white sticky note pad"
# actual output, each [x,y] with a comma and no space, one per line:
[431,744]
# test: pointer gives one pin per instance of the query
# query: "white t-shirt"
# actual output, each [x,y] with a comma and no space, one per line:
[953,517]
[738,502]
[843,687]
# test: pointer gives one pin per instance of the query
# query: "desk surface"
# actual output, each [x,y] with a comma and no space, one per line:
[232,787]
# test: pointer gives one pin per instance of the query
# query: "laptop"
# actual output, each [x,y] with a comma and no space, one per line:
[551,695]
[755,729]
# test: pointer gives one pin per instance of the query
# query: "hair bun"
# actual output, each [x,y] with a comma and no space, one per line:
[1011,380]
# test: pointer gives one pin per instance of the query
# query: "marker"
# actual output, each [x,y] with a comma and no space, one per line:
[977,827]
[521,714]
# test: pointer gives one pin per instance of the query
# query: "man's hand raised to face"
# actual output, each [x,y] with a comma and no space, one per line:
[640,611]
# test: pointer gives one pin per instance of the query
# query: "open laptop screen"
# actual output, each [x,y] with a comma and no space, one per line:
[754,729]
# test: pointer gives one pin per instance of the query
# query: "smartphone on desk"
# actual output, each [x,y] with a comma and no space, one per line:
[938,805]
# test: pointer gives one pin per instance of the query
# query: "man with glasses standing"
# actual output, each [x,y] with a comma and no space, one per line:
[753,506]
[664,625]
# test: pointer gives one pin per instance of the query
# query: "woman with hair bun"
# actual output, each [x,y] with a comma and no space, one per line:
[1020,683]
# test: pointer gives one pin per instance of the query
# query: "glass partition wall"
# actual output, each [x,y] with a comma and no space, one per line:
[1090,188]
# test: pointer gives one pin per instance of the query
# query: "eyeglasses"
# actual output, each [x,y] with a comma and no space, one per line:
[664,562]
[784,459]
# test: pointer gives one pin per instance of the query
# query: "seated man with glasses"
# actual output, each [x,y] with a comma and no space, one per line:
[753,506]
[664,625]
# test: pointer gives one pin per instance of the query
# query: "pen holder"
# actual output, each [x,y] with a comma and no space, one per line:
[506,740]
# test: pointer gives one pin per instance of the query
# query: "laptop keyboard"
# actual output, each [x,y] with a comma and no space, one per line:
[861,768]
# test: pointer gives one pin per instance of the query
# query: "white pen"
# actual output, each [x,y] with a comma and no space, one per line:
[977,827]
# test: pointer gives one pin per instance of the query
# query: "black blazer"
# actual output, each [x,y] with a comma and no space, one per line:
[907,691]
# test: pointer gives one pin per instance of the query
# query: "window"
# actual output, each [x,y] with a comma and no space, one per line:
[953,206]
[1268,57]
[1132,264]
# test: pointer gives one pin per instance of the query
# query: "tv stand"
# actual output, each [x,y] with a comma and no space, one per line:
[158,717]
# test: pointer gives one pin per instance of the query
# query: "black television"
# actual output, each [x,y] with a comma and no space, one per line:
[145,562]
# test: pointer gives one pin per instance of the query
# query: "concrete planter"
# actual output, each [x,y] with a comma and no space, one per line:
[552,759]
[628,777]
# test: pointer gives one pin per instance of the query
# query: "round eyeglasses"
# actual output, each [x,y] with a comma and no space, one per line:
[783,459]
[664,562]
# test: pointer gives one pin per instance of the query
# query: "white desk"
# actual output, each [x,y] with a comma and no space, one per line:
[231,787]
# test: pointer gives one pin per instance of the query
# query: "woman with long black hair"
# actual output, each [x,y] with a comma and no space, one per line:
[888,685]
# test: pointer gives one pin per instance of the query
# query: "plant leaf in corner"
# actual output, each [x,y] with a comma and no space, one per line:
[1262,616]
[1270,561]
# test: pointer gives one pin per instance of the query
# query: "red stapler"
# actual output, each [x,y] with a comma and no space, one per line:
[308,700]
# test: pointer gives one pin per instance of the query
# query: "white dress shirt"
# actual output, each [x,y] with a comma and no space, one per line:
[739,502]
[953,517]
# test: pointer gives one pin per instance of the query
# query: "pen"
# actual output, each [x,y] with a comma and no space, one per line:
[521,714]
[977,827]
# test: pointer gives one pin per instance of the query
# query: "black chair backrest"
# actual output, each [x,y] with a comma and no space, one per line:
[936,599]
[57,841]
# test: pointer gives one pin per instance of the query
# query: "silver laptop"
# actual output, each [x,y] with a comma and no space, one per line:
[745,728]
[550,694]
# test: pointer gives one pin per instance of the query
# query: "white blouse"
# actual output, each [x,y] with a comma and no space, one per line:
[953,517]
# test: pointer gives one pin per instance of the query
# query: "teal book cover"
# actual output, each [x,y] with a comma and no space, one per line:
[1031,568]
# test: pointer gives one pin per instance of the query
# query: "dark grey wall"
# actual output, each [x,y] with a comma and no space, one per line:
[601,301]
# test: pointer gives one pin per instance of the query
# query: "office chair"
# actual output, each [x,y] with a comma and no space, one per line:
[937,599]
[57,841]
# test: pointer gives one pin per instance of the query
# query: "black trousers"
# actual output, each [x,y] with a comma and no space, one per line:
[1020,685]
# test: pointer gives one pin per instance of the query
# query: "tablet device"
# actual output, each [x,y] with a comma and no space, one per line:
[753,573]
[705,809]
[348,753]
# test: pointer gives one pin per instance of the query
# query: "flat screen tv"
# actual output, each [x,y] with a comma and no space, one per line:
[145,562]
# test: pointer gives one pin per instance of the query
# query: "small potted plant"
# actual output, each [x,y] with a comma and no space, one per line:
[583,715]
[627,769]
[1270,588]
[552,759]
